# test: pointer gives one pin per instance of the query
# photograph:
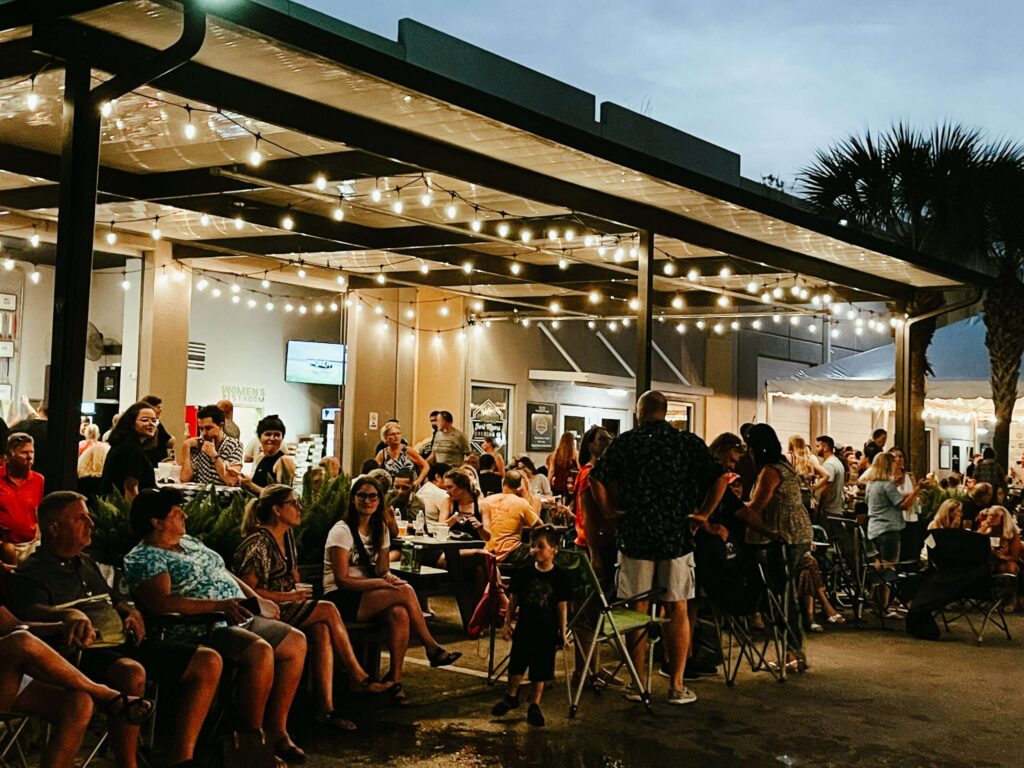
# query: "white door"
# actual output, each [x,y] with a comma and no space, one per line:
[580,418]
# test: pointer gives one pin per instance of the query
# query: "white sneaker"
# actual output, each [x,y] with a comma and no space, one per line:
[632,693]
[685,696]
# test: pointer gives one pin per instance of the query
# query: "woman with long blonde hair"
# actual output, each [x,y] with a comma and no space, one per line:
[949,515]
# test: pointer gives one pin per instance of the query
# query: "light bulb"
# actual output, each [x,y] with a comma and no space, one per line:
[526,322]
[319,308]
[375,195]
[766,297]
[669,268]
[215,292]
[235,299]
[555,324]
[795,289]
[320,182]
[693,275]
[269,306]
[680,327]
[858,330]
[190,131]
[302,272]
[804,293]
[753,287]
[827,298]
[601,251]
[443,309]
[235,288]
[203,284]
[340,280]
[594,297]
[570,234]
[251,303]
[725,272]
[338,213]
[381,278]
[525,235]
[777,291]
[503,229]
[333,306]
[554,307]
[812,328]
[288,222]
[722,301]
[563,263]
[625,322]
[302,309]
[516,268]
[756,325]
[410,313]
[398,206]
[424,268]
[378,310]
[467,267]
[426,199]
[451,211]
[106,108]
[239,222]
[34,276]
[34,240]
[126,284]
[265,283]
[289,307]
[794,320]
[678,302]
[204,220]
[476,225]
[156,234]
[719,328]
[477,306]
[111,237]
[634,252]
[634,304]
[620,254]
[701,325]
[119,123]
[32,100]
[735,325]
[776,319]
[591,324]
[255,158]
[552,234]
[835,333]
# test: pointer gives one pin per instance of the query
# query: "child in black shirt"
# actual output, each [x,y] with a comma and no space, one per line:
[540,591]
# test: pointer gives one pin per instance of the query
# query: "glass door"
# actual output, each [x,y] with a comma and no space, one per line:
[490,411]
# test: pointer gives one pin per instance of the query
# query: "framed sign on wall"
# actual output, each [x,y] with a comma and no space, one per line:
[541,426]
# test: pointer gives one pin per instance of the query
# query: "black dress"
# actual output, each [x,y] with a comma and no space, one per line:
[127,459]
[264,474]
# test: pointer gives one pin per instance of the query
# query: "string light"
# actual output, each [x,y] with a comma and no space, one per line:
[613,326]
[777,291]
[515,268]
[410,313]
[693,275]
[126,284]
[301,271]
[375,194]
[236,288]
[563,263]
[340,280]
[753,286]
[338,213]
[526,322]
[235,299]
[269,306]
[525,235]
[570,234]
[619,255]
[251,303]
[756,325]
[625,322]
[669,268]
[288,222]
[378,310]
[725,272]
[554,307]
[190,129]
[239,221]
[265,282]
[722,301]
[735,325]
[215,292]
[256,157]
[156,234]
[678,302]
[719,328]
[601,251]
[289,307]
[443,309]
[203,284]
[451,210]
[503,229]
[478,306]
[302,309]
[318,308]
[204,220]
[835,333]
[34,276]
[333,306]
[591,324]
[633,303]
[812,328]
[424,268]
[680,327]
[766,298]
[106,108]
[476,225]
[111,235]
[32,99]
[594,297]
[794,320]
[701,325]
[555,325]
[320,182]
[381,278]
[467,267]
[398,206]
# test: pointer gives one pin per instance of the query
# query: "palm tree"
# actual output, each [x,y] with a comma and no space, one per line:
[919,190]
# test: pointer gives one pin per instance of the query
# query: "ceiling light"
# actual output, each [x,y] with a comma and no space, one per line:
[555,307]
[678,302]
[669,268]
[467,267]
[594,297]
[570,234]
[693,275]
[722,301]
[680,327]
[634,303]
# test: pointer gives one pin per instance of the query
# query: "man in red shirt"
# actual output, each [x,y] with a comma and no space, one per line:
[21,490]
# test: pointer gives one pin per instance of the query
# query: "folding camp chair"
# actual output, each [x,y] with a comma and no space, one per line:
[12,725]
[847,579]
[979,591]
[595,620]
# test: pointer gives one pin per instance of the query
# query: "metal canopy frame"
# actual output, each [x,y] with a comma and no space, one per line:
[376,149]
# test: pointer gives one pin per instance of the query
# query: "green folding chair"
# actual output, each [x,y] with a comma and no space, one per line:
[596,621]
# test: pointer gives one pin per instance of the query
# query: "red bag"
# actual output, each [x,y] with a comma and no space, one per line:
[490,611]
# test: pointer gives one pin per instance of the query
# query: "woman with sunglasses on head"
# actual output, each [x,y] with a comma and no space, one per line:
[266,560]
[358,581]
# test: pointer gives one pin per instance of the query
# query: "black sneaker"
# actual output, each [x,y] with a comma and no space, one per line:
[696,671]
[503,707]
[534,716]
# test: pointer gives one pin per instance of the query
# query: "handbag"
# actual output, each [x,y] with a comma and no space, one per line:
[247,750]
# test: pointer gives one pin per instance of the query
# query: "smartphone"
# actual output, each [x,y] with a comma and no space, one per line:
[252,605]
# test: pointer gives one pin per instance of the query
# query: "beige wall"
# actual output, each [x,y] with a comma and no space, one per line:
[720,375]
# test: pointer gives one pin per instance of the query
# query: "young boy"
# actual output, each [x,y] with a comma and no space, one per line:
[540,591]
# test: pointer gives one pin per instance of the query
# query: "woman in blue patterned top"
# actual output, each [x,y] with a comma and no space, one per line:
[171,572]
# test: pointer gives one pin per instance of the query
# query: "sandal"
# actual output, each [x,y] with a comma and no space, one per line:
[398,697]
[289,752]
[369,685]
[133,710]
[442,658]
[336,721]
[837,618]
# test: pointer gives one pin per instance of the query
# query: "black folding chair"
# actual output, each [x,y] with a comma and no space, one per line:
[12,726]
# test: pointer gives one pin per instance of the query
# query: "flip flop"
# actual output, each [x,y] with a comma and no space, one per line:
[398,697]
[442,658]
[291,754]
[369,685]
[336,721]
[133,710]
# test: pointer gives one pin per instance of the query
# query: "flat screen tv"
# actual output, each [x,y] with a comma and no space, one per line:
[315,362]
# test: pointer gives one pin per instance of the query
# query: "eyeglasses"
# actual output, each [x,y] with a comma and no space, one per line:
[294,502]
[367,496]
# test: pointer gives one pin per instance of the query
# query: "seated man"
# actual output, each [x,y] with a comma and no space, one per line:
[401,498]
[21,490]
[213,457]
[57,575]
[504,516]
[432,493]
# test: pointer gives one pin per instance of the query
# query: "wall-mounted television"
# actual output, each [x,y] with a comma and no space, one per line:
[315,362]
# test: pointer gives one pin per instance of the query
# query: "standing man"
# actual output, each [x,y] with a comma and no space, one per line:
[830,490]
[21,490]
[875,445]
[230,428]
[447,445]
[213,457]
[654,477]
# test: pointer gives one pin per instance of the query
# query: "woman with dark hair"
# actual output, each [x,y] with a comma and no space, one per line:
[593,530]
[563,466]
[127,467]
[539,484]
[776,513]
[358,581]
[266,560]
[272,464]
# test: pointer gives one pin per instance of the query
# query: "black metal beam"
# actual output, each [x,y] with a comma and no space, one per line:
[645,295]
[80,144]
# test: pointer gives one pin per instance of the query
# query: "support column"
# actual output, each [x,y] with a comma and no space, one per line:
[79,174]
[644,293]
[904,417]
[163,337]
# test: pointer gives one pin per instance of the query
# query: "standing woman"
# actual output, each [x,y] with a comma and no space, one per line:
[593,530]
[563,467]
[912,537]
[397,457]
[776,512]
[806,466]
[358,581]
[272,465]
[266,560]
[127,467]
[886,503]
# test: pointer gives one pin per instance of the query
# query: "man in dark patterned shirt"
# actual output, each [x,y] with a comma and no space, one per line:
[654,476]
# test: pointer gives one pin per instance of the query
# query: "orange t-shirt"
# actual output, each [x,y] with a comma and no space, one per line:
[509,515]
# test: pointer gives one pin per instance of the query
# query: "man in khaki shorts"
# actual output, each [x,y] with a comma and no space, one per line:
[653,477]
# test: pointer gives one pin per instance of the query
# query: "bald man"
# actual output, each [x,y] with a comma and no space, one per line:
[653,477]
[230,428]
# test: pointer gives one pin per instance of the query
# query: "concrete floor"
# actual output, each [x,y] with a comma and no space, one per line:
[871,698]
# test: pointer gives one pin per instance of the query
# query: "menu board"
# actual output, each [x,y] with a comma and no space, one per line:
[540,426]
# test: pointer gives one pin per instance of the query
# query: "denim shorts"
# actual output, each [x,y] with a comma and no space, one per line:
[888,546]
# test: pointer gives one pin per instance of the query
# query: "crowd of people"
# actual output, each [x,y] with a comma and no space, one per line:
[653,508]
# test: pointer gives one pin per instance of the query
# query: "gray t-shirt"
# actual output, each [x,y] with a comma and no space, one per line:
[832,499]
[884,511]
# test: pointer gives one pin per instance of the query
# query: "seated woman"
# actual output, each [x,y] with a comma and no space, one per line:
[357,579]
[272,465]
[463,513]
[948,515]
[171,572]
[36,680]
[999,524]
[539,484]
[266,561]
